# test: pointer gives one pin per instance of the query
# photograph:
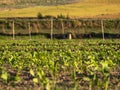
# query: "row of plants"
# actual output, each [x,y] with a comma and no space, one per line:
[58,64]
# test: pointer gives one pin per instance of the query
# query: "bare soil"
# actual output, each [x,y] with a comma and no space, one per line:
[63,81]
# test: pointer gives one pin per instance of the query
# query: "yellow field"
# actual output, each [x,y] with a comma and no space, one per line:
[73,10]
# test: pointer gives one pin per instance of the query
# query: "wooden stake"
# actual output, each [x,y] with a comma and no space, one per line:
[63,31]
[13,29]
[3,28]
[102,27]
[29,30]
[51,28]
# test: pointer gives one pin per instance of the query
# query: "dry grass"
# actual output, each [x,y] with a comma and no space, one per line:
[73,10]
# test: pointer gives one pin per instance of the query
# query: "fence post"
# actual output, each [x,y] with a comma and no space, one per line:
[3,28]
[69,36]
[13,29]
[102,27]
[51,28]
[63,31]
[29,30]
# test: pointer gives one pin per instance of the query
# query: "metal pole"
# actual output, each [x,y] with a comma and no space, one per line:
[102,27]
[29,30]
[51,28]
[13,29]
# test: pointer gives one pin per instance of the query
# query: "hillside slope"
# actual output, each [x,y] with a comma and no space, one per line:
[29,3]
[51,2]
[36,2]
[86,9]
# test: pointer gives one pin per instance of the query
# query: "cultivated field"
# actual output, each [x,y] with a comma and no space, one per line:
[60,64]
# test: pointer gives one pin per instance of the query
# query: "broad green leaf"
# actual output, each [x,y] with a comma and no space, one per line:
[86,79]
[32,72]
[17,78]
[4,76]
[35,80]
